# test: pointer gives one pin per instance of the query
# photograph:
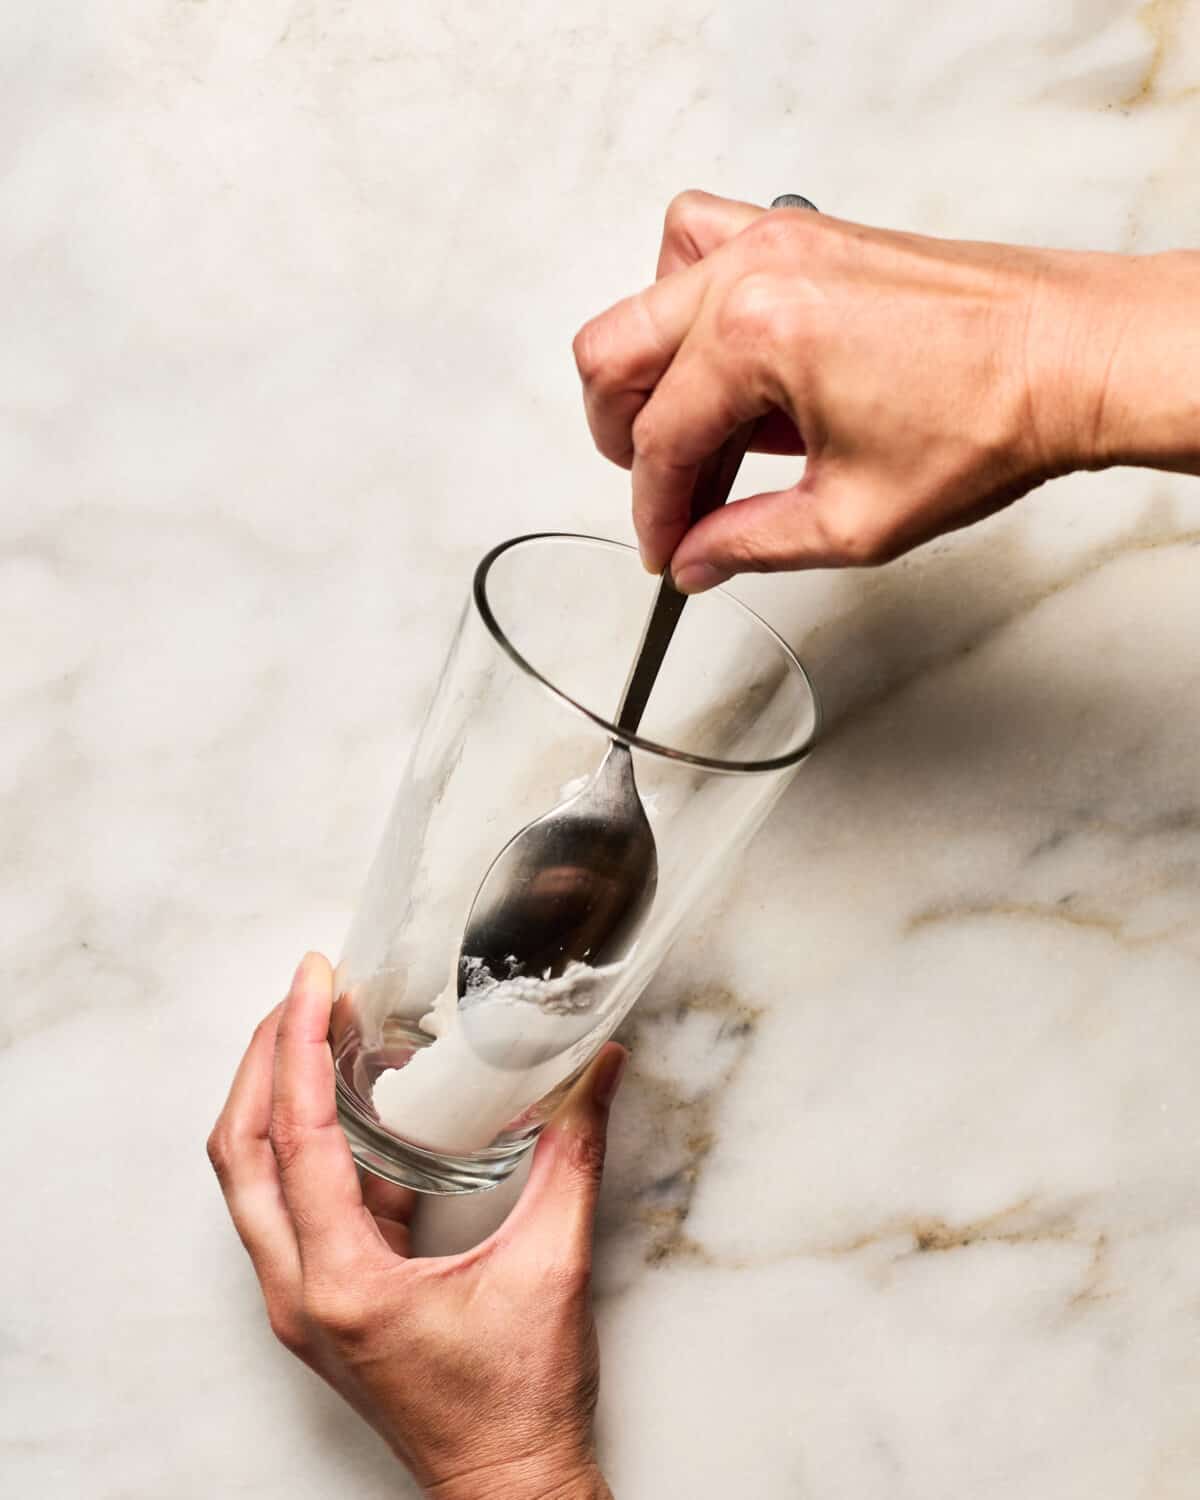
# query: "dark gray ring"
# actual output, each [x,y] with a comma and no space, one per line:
[793,200]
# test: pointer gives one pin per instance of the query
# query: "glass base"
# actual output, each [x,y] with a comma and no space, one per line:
[412,1166]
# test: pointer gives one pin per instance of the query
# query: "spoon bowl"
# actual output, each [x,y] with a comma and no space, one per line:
[570,887]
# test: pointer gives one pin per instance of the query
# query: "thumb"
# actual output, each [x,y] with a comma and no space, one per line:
[552,1222]
[818,523]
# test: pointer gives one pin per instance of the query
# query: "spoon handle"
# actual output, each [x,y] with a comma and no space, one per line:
[713,484]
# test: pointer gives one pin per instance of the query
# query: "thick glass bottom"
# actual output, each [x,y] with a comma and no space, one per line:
[378,1150]
[411,1166]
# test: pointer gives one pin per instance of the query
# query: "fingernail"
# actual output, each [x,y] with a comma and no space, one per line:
[647,563]
[696,578]
[300,968]
[607,1077]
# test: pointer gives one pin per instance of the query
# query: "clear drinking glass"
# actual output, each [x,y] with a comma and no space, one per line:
[520,718]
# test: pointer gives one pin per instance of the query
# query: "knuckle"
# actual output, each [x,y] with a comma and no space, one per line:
[750,309]
[683,211]
[287,1141]
[747,556]
[591,346]
[857,539]
[644,434]
[781,231]
[757,549]
[219,1153]
[288,1328]
[652,441]
[584,1151]
[615,350]
[339,1312]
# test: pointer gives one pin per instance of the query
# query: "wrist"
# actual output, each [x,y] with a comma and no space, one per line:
[525,1481]
[587,1484]
[1124,372]
[1069,334]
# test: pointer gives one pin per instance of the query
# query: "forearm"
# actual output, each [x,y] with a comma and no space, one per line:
[1143,363]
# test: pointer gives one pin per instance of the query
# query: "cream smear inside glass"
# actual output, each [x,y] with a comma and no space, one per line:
[446,1094]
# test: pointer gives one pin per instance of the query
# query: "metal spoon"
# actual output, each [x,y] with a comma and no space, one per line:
[574,885]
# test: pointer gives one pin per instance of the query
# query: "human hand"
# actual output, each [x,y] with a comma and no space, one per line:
[480,1370]
[929,382]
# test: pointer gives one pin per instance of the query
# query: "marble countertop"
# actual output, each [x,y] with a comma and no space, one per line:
[904,1196]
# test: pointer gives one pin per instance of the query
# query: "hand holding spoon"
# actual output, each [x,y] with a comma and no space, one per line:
[574,885]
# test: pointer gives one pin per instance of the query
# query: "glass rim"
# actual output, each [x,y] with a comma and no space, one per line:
[791,757]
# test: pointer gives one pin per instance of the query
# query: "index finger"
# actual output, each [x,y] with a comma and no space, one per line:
[622,354]
[320,1184]
[697,224]
[241,1155]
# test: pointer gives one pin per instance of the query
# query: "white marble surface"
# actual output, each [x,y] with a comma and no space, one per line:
[904,1196]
